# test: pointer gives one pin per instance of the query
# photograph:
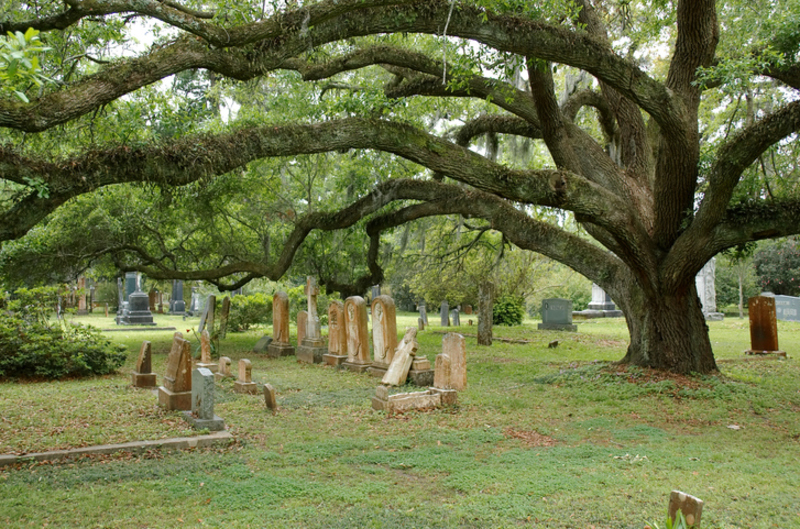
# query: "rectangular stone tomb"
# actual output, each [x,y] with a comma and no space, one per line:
[142,376]
[202,416]
[176,393]
[418,400]
[557,315]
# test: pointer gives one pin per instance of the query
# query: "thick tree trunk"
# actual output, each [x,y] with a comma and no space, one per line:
[669,332]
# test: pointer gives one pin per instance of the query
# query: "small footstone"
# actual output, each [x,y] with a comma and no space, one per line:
[269,398]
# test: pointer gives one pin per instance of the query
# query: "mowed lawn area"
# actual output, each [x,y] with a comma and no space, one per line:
[542,437]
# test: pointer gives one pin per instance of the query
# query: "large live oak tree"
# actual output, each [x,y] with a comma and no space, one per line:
[653,216]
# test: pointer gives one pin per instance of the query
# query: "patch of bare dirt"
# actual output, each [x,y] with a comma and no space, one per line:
[531,438]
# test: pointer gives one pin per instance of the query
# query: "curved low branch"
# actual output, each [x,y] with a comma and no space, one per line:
[496,124]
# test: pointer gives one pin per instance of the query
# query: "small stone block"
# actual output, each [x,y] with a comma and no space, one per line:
[414,401]
[422,378]
[377,371]
[216,424]
[355,368]
[143,380]
[420,363]
[334,360]
[691,507]
[211,367]
[246,388]
[277,350]
[269,397]
[174,401]
[310,354]
[379,404]
[449,396]
[382,392]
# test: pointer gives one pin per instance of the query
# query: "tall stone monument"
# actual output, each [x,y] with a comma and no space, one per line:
[280,345]
[355,318]
[176,303]
[312,347]
[176,393]
[337,335]
[384,334]
[706,291]
[138,311]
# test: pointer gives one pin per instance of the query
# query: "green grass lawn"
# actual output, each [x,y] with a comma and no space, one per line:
[541,437]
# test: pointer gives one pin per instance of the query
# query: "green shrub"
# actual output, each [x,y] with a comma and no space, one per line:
[30,346]
[250,310]
[508,311]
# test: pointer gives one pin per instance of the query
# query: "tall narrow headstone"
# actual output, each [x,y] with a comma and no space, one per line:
[205,352]
[445,314]
[355,317]
[384,334]
[337,336]
[763,326]
[451,365]
[176,304]
[142,376]
[423,312]
[706,290]
[311,348]
[210,313]
[176,392]
[245,383]
[280,345]
[456,318]
[302,323]
[223,318]
[202,415]
[397,373]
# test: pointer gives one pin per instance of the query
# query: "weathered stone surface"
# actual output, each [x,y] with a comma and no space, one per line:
[302,323]
[787,308]
[423,312]
[397,373]
[444,313]
[456,315]
[280,327]
[205,352]
[142,376]
[441,377]
[557,315]
[420,324]
[355,316]
[262,344]
[176,393]
[223,369]
[449,397]
[763,325]
[245,384]
[313,331]
[421,377]
[691,507]
[337,336]
[270,398]
[384,331]
[454,348]
[202,414]
[407,401]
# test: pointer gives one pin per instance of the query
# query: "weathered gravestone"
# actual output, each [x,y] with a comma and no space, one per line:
[245,384]
[202,416]
[224,369]
[557,315]
[176,303]
[787,308]
[468,309]
[444,314]
[269,398]
[384,334]
[423,312]
[456,317]
[420,324]
[451,365]
[262,344]
[763,326]
[706,290]
[223,318]
[176,393]
[207,318]
[142,376]
[280,345]
[312,347]
[337,335]
[138,308]
[355,318]
[690,507]
[397,373]
[205,352]
[302,322]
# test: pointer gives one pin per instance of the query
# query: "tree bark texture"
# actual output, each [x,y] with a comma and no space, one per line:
[485,306]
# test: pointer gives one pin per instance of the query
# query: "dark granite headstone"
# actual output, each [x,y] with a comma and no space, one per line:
[557,315]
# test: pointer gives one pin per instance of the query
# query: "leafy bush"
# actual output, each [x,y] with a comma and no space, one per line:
[30,346]
[250,310]
[508,311]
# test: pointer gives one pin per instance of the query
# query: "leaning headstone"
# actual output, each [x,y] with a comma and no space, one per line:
[337,336]
[280,345]
[223,318]
[262,344]
[224,369]
[355,318]
[451,365]
[176,392]
[269,398]
[205,352]
[312,347]
[557,315]
[456,318]
[245,384]
[445,314]
[202,416]
[384,334]
[690,507]
[397,373]
[302,322]
[763,326]
[142,376]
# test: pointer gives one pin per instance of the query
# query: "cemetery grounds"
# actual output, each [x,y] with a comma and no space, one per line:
[542,437]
